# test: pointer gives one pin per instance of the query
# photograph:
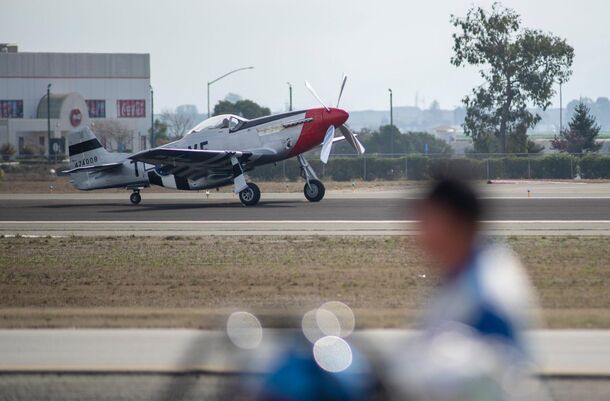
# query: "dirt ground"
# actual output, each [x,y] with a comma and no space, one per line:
[196,282]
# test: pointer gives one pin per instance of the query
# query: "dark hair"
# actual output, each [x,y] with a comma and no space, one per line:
[458,197]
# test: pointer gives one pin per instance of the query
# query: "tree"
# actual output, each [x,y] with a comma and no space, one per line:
[244,108]
[581,134]
[519,66]
[114,135]
[160,134]
[411,142]
[177,123]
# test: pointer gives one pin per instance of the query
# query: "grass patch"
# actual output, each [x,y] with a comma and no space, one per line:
[194,281]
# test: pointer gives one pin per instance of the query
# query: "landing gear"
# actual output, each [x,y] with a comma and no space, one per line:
[251,195]
[314,189]
[135,197]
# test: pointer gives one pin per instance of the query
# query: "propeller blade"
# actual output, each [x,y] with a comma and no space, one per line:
[350,137]
[343,80]
[327,144]
[313,92]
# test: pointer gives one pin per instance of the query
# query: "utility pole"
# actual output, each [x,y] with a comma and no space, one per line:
[560,107]
[290,95]
[152,117]
[391,108]
[221,77]
[49,120]
[391,122]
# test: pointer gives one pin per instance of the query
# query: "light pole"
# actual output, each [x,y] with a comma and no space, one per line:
[221,77]
[290,95]
[391,108]
[391,123]
[49,120]
[560,107]
[152,117]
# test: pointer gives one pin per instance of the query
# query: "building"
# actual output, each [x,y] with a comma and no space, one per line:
[109,92]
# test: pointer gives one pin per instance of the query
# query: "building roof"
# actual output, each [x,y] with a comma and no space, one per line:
[74,65]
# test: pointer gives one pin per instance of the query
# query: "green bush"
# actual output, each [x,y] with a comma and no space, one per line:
[420,167]
[471,169]
[595,166]
[556,166]
[7,151]
[511,167]
[417,167]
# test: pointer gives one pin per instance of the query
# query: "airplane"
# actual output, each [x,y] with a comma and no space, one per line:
[215,153]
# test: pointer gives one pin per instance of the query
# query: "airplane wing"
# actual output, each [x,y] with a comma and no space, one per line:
[184,162]
[97,167]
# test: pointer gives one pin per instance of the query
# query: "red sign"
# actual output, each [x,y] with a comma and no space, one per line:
[131,108]
[76,117]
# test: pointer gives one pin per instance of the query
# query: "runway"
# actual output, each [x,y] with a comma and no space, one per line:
[558,352]
[367,213]
[202,365]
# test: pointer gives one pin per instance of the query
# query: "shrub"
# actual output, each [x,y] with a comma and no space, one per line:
[7,151]
[595,166]
[558,166]
[27,151]
[420,167]
[465,168]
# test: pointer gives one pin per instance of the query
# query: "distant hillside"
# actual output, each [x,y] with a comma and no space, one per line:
[415,119]
[406,118]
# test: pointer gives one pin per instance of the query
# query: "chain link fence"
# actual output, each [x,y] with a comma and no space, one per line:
[370,167]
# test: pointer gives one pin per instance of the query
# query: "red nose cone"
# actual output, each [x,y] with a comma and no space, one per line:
[336,117]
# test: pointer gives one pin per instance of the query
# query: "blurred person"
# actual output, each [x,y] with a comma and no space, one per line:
[471,345]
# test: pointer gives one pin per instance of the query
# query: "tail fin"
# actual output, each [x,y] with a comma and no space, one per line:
[92,166]
[85,149]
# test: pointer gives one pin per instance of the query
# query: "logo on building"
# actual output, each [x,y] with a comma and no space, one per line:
[131,108]
[75,117]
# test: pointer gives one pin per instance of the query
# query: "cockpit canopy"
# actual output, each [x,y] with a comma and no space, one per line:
[230,121]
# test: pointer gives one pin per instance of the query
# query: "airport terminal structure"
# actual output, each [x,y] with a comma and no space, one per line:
[105,89]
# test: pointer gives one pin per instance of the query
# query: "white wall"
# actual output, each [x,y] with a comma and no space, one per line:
[109,77]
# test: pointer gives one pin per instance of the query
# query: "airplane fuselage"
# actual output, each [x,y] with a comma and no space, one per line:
[270,139]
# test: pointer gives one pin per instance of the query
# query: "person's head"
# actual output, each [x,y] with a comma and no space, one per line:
[449,221]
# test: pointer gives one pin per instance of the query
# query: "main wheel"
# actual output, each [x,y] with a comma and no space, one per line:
[314,191]
[251,195]
[135,198]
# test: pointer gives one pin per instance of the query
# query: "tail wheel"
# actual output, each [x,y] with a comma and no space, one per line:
[314,190]
[135,198]
[251,195]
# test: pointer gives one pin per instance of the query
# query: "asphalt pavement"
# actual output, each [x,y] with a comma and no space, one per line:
[374,213]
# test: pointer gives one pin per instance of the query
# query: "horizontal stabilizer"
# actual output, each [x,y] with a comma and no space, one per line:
[95,168]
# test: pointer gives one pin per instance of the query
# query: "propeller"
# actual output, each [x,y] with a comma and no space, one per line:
[343,81]
[313,92]
[327,144]
[347,133]
[351,138]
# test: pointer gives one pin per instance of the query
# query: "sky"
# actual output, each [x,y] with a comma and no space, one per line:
[400,44]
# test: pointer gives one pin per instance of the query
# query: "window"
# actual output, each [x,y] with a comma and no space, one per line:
[11,108]
[131,108]
[97,108]
[218,122]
